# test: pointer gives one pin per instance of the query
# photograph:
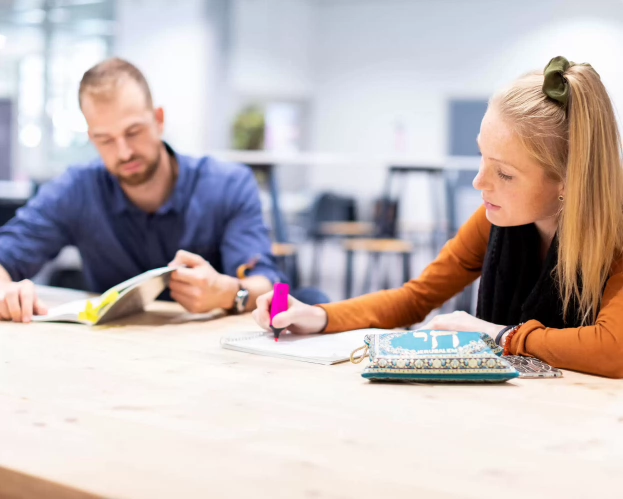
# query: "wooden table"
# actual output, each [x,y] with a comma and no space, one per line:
[155,408]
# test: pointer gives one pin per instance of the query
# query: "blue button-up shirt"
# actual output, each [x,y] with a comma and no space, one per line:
[214,211]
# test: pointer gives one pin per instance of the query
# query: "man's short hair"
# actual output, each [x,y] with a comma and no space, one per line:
[103,79]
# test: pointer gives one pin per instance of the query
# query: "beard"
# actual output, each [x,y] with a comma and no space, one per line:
[140,177]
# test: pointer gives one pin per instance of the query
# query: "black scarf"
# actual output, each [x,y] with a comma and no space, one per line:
[516,286]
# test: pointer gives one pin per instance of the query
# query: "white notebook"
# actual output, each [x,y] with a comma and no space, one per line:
[316,348]
[127,298]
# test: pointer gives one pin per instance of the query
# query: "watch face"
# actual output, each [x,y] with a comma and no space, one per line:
[242,298]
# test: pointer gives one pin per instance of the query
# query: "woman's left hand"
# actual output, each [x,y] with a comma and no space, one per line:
[462,321]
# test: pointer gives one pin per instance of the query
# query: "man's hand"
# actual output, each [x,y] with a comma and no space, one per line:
[18,302]
[198,287]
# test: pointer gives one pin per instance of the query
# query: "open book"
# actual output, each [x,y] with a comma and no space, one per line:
[316,348]
[127,298]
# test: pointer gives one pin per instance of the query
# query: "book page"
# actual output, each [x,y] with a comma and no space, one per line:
[145,276]
[129,297]
[67,312]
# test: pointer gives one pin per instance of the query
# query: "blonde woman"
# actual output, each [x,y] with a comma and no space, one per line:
[547,243]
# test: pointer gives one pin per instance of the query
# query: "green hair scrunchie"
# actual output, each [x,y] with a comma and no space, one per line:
[555,85]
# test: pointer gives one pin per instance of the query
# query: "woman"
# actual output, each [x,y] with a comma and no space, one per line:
[547,243]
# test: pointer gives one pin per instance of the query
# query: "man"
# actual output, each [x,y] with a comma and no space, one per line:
[141,206]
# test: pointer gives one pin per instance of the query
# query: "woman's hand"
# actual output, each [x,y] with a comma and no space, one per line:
[298,319]
[462,321]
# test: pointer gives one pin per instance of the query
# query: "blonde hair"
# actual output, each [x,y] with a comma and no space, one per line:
[579,145]
[102,80]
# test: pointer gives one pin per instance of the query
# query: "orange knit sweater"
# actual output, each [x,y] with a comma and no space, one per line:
[596,349]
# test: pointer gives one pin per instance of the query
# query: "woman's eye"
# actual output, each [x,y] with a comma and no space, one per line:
[504,177]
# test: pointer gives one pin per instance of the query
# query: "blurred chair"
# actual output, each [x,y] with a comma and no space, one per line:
[385,239]
[286,255]
[457,199]
[386,217]
[376,249]
[332,216]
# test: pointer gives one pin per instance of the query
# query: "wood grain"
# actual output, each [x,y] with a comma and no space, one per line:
[16,485]
[154,407]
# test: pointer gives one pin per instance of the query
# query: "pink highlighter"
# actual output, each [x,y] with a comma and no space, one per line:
[278,305]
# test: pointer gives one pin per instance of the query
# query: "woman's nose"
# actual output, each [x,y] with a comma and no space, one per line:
[481,182]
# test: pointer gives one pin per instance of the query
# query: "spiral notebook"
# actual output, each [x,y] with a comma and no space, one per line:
[315,348]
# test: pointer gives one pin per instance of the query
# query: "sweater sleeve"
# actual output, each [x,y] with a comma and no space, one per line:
[596,349]
[458,264]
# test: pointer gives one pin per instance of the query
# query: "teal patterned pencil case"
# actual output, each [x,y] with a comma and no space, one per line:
[427,355]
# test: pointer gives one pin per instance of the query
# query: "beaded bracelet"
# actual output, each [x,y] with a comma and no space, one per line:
[498,338]
[507,343]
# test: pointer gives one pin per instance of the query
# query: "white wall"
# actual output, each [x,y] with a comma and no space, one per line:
[177,45]
[203,58]
[363,65]
[272,42]
[272,45]
[378,63]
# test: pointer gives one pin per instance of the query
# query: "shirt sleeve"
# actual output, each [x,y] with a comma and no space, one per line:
[458,264]
[246,236]
[40,229]
[596,349]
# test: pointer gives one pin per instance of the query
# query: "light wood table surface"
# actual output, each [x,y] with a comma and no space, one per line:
[155,408]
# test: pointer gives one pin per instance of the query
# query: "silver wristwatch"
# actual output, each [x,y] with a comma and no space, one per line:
[241,300]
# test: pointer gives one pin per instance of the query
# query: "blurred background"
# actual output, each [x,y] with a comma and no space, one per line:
[359,117]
